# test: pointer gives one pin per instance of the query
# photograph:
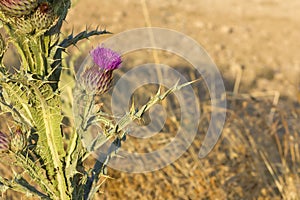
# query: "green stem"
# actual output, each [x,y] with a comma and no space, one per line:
[37,54]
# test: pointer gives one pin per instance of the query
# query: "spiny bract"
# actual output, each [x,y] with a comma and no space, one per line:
[18,8]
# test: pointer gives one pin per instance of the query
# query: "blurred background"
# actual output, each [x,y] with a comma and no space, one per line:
[255,45]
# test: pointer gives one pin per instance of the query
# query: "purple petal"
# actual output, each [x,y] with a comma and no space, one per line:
[4,142]
[105,58]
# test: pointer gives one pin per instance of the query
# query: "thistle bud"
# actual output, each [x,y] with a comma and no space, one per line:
[40,20]
[18,141]
[97,79]
[18,8]
[23,25]
[4,142]
[43,17]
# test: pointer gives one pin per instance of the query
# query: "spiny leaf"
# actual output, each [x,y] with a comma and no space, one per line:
[72,40]
[36,173]
[21,185]
[20,96]
[37,102]
[49,111]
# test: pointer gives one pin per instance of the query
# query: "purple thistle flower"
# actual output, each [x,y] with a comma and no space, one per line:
[106,59]
[98,78]
[4,142]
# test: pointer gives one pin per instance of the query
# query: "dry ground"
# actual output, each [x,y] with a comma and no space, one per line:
[256,40]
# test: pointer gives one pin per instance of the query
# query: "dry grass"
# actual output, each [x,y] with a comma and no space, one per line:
[253,160]
[256,158]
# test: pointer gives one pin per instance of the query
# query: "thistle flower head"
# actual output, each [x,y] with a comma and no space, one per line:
[17,8]
[97,79]
[4,142]
[106,59]
[18,141]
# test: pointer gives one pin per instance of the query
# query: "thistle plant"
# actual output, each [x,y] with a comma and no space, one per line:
[54,165]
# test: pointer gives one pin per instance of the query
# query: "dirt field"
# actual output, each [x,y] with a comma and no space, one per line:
[256,41]
[260,35]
